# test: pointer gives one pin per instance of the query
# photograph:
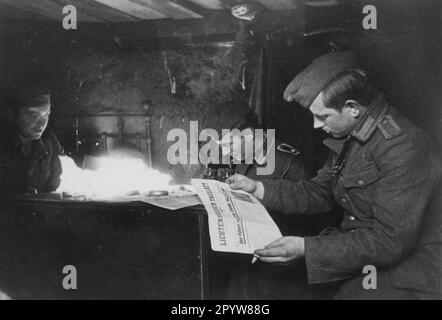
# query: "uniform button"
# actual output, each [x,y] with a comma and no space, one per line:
[344,200]
[352,218]
[361,182]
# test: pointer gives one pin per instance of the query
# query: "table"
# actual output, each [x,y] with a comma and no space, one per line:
[119,250]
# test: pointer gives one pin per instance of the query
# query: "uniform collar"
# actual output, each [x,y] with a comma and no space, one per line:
[366,127]
[369,122]
[334,144]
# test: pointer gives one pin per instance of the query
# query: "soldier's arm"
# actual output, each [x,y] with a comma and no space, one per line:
[395,207]
[296,169]
[313,196]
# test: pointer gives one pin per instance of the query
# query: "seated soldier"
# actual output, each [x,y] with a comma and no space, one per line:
[29,152]
[385,175]
[289,165]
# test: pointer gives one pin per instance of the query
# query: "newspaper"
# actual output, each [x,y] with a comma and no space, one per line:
[238,222]
[174,202]
[179,197]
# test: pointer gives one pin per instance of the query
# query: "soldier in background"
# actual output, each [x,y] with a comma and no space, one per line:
[29,152]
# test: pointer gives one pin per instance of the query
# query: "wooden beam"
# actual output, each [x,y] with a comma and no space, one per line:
[222,27]
[45,8]
[209,4]
[10,12]
[231,3]
[177,5]
[193,7]
[280,4]
[169,9]
[219,25]
[134,9]
[97,10]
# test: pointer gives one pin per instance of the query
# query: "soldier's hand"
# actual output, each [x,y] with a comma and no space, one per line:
[240,182]
[282,251]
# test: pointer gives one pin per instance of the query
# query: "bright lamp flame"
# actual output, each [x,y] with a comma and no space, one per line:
[113,178]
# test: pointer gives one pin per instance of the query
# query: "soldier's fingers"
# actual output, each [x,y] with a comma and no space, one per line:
[275,243]
[272,252]
[276,260]
[234,178]
[241,185]
[230,180]
[237,185]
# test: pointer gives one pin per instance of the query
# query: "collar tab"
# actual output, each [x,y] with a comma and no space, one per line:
[369,123]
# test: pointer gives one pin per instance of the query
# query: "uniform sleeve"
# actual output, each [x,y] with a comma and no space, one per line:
[303,197]
[398,203]
[296,169]
[56,169]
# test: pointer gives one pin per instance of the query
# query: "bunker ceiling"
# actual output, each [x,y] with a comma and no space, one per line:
[129,10]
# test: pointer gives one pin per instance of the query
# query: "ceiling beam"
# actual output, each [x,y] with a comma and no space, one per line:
[97,10]
[133,8]
[180,7]
[230,3]
[192,6]
[221,24]
[209,4]
[169,9]
[219,28]
[281,4]
[47,8]
[9,12]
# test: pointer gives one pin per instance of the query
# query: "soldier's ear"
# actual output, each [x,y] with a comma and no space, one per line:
[353,107]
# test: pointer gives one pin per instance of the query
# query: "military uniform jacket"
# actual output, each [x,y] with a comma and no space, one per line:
[385,189]
[40,170]
[287,166]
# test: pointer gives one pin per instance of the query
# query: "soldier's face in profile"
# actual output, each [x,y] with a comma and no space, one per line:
[338,123]
[32,121]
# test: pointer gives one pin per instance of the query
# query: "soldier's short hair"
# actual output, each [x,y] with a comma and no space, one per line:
[353,84]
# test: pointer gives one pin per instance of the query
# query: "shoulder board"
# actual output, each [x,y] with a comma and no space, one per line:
[389,128]
[286,148]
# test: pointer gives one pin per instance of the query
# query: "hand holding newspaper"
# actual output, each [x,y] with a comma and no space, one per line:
[238,222]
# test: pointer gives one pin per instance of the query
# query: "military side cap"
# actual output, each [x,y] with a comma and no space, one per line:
[307,85]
